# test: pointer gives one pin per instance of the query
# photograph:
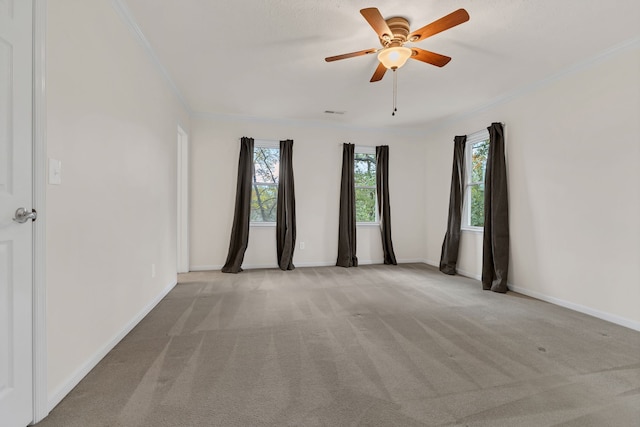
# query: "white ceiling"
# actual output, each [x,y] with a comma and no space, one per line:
[265,58]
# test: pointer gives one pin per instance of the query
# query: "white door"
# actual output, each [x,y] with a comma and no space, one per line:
[16,244]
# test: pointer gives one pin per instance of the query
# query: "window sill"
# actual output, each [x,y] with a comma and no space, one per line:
[476,230]
[262,224]
[367,224]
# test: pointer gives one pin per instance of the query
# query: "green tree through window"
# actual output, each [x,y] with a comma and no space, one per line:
[365,186]
[479,152]
[264,192]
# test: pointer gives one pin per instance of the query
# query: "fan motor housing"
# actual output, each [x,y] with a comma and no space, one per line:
[399,26]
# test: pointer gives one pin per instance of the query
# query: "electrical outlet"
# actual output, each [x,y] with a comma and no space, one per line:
[153,271]
[301,245]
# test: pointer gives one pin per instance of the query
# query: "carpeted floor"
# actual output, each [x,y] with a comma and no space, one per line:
[368,346]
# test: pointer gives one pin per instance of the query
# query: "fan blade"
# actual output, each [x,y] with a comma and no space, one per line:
[444,23]
[350,55]
[379,73]
[430,57]
[377,22]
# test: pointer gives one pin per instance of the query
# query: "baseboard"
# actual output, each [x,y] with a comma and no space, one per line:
[459,271]
[628,323]
[306,264]
[468,274]
[315,264]
[204,267]
[219,267]
[412,261]
[370,261]
[83,370]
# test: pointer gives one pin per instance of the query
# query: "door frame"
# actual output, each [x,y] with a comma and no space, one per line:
[182,197]
[39,335]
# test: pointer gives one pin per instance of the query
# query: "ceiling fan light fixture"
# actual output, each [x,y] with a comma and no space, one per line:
[394,57]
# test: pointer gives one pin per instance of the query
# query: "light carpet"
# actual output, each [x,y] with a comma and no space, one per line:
[369,346]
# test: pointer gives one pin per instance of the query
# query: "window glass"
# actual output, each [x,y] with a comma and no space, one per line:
[365,205]
[477,151]
[479,161]
[365,187]
[264,192]
[266,164]
[477,206]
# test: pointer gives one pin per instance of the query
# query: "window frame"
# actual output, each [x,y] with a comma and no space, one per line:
[362,149]
[472,139]
[259,143]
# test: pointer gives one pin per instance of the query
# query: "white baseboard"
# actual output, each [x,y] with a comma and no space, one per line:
[59,394]
[305,264]
[412,261]
[315,264]
[258,266]
[618,320]
[459,271]
[219,267]
[468,274]
[204,267]
[369,261]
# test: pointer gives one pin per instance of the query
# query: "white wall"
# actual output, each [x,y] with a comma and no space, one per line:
[573,147]
[317,160]
[112,121]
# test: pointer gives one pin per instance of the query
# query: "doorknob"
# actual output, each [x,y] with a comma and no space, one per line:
[22,215]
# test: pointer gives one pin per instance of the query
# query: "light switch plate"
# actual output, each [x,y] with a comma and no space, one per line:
[55,172]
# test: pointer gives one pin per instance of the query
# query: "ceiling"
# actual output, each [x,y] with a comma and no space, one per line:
[265,58]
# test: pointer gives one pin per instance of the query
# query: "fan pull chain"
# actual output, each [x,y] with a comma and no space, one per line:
[395,93]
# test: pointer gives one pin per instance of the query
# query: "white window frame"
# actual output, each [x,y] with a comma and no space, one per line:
[474,138]
[263,143]
[361,149]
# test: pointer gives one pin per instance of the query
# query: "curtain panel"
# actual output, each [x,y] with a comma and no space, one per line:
[384,209]
[495,253]
[347,217]
[451,243]
[240,230]
[286,208]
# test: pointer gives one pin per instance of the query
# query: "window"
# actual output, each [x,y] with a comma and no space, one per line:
[477,149]
[264,192]
[364,176]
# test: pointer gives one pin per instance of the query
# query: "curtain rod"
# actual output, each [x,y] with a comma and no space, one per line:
[259,139]
[484,129]
[263,140]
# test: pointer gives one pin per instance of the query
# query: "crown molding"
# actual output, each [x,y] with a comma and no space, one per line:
[126,16]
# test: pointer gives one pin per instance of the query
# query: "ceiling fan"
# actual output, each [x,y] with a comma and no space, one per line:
[394,33]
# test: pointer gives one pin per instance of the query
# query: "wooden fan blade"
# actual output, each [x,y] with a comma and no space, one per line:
[377,22]
[379,73]
[430,57]
[444,23]
[350,55]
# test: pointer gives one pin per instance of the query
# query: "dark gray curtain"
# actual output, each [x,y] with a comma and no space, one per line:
[451,243]
[286,208]
[240,229]
[347,220]
[384,210]
[495,253]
